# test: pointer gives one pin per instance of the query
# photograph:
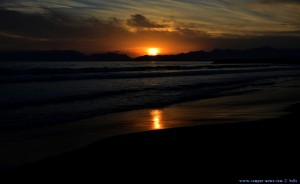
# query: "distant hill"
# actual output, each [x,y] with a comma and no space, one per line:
[60,55]
[256,55]
[262,54]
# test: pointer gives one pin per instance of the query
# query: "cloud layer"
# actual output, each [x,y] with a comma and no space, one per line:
[140,21]
[128,25]
[279,1]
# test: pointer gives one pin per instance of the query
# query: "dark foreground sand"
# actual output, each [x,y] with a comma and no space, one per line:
[266,149]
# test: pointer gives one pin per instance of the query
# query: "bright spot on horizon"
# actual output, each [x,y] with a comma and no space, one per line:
[153,51]
[156,119]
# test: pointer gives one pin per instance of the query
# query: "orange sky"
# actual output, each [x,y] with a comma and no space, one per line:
[131,27]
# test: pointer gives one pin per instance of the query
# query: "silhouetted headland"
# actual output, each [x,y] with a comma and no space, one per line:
[256,55]
[61,55]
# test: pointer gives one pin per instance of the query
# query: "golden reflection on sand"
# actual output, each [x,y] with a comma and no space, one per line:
[156,116]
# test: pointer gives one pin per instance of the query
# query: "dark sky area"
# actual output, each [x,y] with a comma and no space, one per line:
[132,26]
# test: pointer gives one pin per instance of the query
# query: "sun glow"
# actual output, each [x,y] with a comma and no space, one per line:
[153,51]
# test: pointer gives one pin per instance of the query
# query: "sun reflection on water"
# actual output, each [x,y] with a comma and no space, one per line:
[156,119]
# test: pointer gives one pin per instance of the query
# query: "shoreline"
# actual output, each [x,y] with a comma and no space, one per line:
[251,149]
[39,144]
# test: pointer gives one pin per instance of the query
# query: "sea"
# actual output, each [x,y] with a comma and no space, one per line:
[40,95]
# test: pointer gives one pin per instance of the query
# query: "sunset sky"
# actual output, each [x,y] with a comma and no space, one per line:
[132,26]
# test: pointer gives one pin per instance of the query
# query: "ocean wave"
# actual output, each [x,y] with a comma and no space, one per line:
[154,90]
[97,73]
[42,71]
[39,97]
[63,110]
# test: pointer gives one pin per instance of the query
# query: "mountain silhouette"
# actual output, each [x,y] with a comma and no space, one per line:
[255,55]
[60,55]
[262,54]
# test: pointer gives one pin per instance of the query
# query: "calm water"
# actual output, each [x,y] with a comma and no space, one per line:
[37,94]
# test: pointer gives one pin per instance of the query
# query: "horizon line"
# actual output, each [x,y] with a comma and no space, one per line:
[124,53]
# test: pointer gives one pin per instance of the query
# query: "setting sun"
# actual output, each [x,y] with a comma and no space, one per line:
[153,51]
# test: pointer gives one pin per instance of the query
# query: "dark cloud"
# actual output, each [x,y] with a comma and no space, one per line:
[259,41]
[140,21]
[54,25]
[56,30]
[278,1]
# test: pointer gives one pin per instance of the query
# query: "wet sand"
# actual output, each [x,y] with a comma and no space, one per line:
[33,144]
[265,149]
[225,139]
